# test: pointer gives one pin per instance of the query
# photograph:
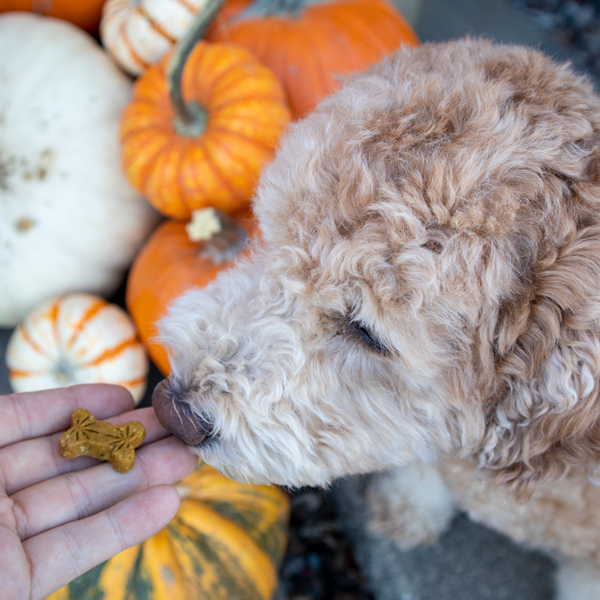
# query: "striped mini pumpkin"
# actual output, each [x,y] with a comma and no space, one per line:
[138,33]
[224,544]
[240,111]
[77,338]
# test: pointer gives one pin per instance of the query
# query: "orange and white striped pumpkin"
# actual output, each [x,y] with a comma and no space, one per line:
[77,338]
[138,33]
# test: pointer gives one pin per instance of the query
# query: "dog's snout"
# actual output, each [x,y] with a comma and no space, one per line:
[176,417]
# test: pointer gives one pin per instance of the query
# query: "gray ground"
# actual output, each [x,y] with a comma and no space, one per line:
[470,562]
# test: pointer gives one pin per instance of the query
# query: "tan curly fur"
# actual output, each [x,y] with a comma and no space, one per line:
[447,201]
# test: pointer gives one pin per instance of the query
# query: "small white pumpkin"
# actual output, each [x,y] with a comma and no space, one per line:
[138,33]
[77,338]
[69,220]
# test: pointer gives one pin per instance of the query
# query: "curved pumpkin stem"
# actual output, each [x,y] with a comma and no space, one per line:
[266,8]
[191,118]
[222,239]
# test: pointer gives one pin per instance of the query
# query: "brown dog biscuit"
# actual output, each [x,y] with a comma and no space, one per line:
[114,443]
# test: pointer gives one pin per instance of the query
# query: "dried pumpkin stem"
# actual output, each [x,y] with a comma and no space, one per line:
[266,8]
[190,118]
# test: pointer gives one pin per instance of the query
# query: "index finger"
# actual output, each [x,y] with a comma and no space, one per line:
[34,414]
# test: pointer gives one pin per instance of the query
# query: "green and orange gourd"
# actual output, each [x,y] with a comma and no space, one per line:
[224,544]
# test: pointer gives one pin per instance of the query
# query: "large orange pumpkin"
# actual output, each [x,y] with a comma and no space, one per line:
[84,13]
[307,43]
[171,263]
[198,135]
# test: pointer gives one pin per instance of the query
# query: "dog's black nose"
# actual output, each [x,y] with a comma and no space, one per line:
[177,417]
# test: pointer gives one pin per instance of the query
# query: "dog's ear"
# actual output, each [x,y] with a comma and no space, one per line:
[543,419]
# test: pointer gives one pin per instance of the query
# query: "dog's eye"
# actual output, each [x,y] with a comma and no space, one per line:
[363,335]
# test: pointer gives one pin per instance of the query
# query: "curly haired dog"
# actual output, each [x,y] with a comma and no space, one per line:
[425,300]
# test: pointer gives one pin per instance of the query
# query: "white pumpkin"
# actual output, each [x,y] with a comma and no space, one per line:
[77,338]
[138,33]
[69,220]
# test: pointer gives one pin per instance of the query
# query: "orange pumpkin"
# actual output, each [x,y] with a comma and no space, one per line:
[307,43]
[84,13]
[199,135]
[171,263]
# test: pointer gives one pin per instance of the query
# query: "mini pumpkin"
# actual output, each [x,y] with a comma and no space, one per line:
[199,135]
[77,338]
[224,544]
[138,33]
[176,258]
[307,43]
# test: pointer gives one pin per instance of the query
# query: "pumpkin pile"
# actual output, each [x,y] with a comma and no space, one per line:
[90,162]
[306,43]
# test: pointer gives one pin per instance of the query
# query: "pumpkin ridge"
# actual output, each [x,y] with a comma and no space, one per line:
[189,7]
[110,353]
[180,175]
[321,71]
[242,161]
[229,85]
[258,49]
[96,306]
[173,550]
[210,89]
[333,31]
[131,382]
[242,99]
[117,574]
[308,77]
[160,564]
[255,563]
[127,43]
[191,88]
[218,173]
[155,25]
[195,179]
[163,181]
[209,570]
[281,68]
[53,315]
[260,518]
[241,136]
[355,28]
[143,172]
[28,338]
[14,373]
[364,30]
[145,127]
[132,112]
[144,583]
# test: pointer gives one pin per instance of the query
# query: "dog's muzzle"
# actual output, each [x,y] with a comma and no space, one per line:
[177,417]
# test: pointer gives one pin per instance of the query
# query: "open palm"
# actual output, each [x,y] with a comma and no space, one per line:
[60,518]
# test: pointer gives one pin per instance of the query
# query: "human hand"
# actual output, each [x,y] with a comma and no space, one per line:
[59,518]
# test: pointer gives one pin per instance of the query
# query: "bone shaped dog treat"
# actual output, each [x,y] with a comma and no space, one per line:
[114,443]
